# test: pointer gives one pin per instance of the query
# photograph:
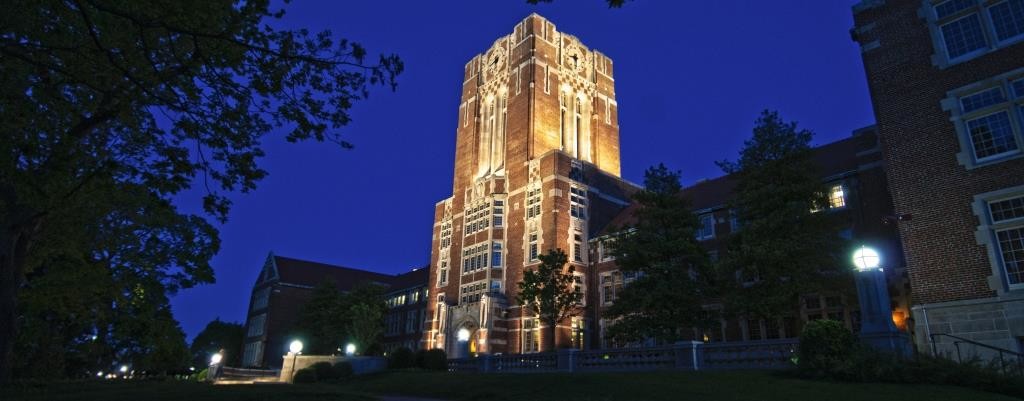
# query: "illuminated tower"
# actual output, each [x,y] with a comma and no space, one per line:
[536,168]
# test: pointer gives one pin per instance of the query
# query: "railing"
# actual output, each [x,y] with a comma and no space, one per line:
[524,362]
[627,359]
[1010,362]
[769,354]
[687,355]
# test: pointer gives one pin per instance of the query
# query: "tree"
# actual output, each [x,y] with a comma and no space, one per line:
[99,97]
[784,248]
[660,249]
[364,308]
[549,292]
[218,336]
[321,324]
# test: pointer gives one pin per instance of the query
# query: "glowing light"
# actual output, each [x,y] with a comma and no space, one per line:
[191,368]
[124,368]
[462,335]
[295,347]
[216,358]
[99,374]
[866,258]
[350,349]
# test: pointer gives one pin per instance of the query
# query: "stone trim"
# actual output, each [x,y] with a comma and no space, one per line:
[985,236]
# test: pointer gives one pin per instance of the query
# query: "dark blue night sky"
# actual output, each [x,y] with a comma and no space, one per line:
[691,77]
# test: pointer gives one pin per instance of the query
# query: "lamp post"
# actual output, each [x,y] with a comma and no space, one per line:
[877,329]
[350,349]
[295,348]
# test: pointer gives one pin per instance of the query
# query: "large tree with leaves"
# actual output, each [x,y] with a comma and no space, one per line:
[97,96]
[787,245]
[364,308]
[672,277]
[218,336]
[321,323]
[549,292]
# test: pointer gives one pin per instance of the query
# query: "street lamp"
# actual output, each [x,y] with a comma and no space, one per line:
[876,329]
[295,348]
[350,349]
[216,358]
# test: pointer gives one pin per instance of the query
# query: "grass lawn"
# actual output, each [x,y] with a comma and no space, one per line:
[703,386]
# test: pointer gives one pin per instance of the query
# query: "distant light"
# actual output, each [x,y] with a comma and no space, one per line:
[216,358]
[99,374]
[94,337]
[295,347]
[191,368]
[866,258]
[350,349]
[124,368]
[462,335]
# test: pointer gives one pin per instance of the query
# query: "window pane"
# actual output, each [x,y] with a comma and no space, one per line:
[963,36]
[991,135]
[982,99]
[837,197]
[1011,245]
[1008,18]
[1007,209]
[1018,88]
[950,7]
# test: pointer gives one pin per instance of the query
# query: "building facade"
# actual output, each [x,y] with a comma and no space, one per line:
[407,308]
[853,172]
[283,287]
[947,84]
[536,168]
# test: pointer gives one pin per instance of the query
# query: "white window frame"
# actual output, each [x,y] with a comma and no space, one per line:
[986,236]
[701,235]
[1013,105]
[982,8]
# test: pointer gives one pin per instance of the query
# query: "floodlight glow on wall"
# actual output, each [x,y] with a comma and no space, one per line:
[462,335]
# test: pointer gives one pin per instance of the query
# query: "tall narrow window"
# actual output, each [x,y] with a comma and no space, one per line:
[563,122]
[533,202]
[499,213]
[577,248]
[532,246]
[576,151]
[1007,216]
[707,226]
[547,81]
[578,203]
[531,335]
[837,197]
[442,273]
[496,254]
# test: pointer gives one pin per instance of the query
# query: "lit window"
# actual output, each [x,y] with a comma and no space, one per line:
[531,335]
[836,197]
[967,28]
[706,229]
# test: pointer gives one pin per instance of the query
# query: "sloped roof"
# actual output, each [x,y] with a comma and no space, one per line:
[833,159]
[307,273]
[415,278]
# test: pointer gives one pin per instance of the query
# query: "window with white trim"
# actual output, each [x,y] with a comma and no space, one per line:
[579,284]
[253,354]
[964,29]
[578,203]
[257,324]
[706,227]
[577,248]
[531,335]
[471,292]
[446,234]
[611,284]
[442,272]
[474,257]
[477,217]
[1007,216]
[261,298]
[533,202]
[989,119]
[532,250]
[496,254]
[498,213]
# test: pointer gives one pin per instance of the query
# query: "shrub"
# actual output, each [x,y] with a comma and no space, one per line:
[434,359]
[324,371]
[401,358]
[304,375]
[201,376]
[342,370]
[825,347]
[418,357]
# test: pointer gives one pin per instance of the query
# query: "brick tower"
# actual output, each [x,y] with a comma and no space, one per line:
[536,168]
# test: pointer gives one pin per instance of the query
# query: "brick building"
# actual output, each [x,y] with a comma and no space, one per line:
[853,172]
[407,307]
[283,287]
[537,168]
[947,83]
